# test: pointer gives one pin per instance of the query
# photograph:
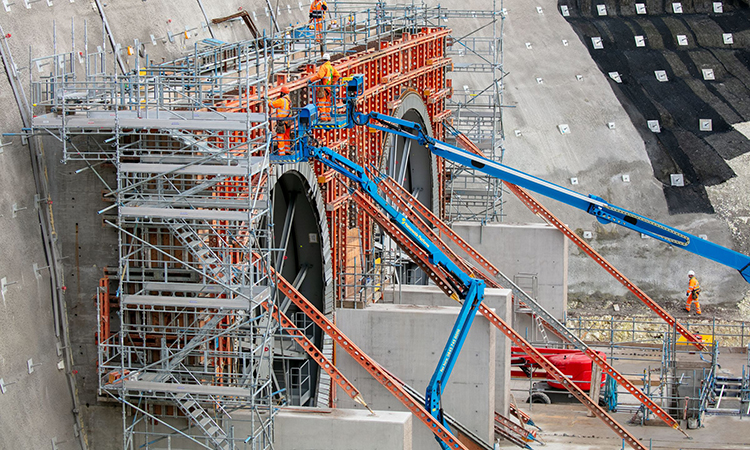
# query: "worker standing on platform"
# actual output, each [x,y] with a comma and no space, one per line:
[283,128]
[318,9]
[694,289]
[328,76]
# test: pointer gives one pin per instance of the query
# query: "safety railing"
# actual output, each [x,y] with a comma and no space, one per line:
[645,330]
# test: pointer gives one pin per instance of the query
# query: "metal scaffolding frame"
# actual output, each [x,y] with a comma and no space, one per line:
[477,113]
[191,151]
[183,336]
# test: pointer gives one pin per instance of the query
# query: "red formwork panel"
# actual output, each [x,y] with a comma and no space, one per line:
[414,62]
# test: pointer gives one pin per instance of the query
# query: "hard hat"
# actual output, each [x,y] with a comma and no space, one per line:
[691,273]
[284,90]
[327,56]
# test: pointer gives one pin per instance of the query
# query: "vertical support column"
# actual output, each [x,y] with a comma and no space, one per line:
[596,385]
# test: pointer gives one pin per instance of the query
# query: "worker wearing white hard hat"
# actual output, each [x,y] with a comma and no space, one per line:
[328,77]
[694,289]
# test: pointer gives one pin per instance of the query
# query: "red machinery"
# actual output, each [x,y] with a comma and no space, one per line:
[574,364]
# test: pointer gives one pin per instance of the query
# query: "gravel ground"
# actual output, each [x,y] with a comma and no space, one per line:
[598,303]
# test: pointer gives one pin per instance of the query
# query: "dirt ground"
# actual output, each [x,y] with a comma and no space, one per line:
[567,427]
[602,303]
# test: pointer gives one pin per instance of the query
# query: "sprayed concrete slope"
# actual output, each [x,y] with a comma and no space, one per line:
[573,91]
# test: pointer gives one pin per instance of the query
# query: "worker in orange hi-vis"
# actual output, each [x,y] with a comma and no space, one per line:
[318,10]
[328,76]
[283,128]
[694,289]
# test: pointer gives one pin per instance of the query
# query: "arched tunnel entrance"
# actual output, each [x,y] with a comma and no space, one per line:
[409,163]
[300,256]
[414,167]
[303,254]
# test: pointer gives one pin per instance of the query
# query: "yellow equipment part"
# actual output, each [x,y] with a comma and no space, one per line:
[707,339]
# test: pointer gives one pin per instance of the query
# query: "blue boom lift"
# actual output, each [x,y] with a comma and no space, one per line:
[471,291]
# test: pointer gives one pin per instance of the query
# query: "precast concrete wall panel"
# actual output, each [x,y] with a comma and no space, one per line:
[535,256]
[342,429]
[499,300]
[408,341]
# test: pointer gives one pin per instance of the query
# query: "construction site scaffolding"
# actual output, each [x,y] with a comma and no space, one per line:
[477,113]
[191,150]
[181,333]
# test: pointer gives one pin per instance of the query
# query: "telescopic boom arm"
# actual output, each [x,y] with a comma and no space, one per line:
[604,211]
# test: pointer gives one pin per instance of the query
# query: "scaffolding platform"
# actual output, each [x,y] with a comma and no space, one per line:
[150,119]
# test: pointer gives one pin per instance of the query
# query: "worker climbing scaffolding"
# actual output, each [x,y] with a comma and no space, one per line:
[327,78]
[693,291]
[283,126]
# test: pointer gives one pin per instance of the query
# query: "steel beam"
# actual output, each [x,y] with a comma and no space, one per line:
[367,363]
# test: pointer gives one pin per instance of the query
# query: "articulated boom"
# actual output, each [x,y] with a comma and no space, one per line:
[468,289]
[596,206]
[471,290]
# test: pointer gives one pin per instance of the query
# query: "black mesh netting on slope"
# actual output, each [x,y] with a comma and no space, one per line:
[680,103]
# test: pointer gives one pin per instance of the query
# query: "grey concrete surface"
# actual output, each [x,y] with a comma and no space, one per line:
[341,429]
[87,246]
[500,300]
[36,408]
[534,256]
[408,341]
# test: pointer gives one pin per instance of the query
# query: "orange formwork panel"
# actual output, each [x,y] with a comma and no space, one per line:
[104,310]
[413,62]
[409,206]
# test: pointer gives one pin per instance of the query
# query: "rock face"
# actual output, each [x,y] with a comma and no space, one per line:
[688,69]
[685,70]
[556,76]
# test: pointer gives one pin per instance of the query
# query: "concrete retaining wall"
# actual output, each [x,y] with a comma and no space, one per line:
[342,429]
[408,340]
[524,253]
[499,300]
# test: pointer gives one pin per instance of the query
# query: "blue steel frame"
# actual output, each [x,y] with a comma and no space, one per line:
[473,294]
[604,211]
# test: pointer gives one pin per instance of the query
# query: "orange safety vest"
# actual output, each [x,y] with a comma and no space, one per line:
[318,9]
[327,73]
[283,106]
[694,288]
